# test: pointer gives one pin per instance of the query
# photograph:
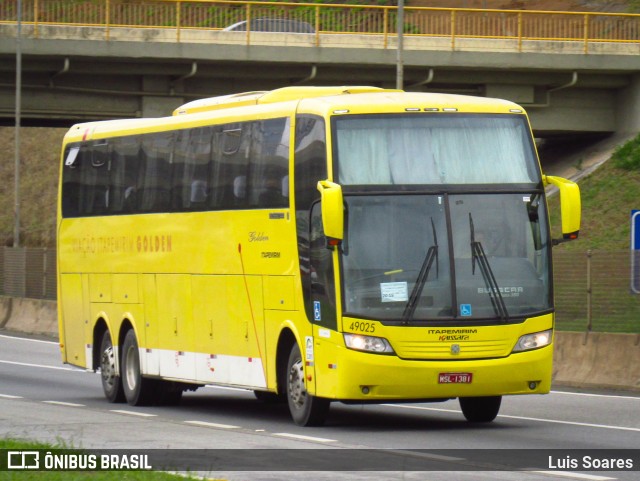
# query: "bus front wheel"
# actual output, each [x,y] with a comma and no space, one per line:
[138,390]
[111,383]
[306,409]
[480,409]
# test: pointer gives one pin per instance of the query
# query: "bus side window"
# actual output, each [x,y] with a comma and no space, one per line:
[322,287]
[154,187]
[190,190]
[71,187]
[230,166]
[94,180]
[124,172]
[310,167]
[270,164]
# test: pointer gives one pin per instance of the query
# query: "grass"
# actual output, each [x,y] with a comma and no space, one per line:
[608,195]
[22,475]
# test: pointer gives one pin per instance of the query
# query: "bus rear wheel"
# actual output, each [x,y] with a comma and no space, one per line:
[138,390]
[480,409]
[306,409]
[111,382]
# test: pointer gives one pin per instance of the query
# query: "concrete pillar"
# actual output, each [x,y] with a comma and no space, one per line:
[628,108]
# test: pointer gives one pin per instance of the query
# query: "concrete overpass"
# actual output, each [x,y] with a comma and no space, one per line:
[84,73]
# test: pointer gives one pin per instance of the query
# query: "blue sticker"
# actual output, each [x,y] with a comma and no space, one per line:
[465,310]
[316,311]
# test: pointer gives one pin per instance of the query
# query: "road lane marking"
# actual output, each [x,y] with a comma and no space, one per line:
[586,394]
[62,403]
[133,413]
[572,423]
[9,396]
[435,457]
[305,438]
[212,425]
[14,338]
[590,477]
[43,366]
[523,418]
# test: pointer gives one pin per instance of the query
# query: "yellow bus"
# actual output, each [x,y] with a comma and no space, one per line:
[311,244]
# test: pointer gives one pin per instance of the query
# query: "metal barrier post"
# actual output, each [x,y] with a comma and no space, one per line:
[586,33]
[589,295]
[519,31]
[35,18]
[178,22]
[107,18]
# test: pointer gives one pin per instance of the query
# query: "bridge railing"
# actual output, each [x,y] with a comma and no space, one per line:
[453,24]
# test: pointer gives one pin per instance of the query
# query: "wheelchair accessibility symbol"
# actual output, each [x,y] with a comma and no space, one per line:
[465,310]
[317,316]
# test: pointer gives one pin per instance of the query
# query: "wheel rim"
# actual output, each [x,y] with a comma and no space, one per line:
[297,391]
[108,367]
[131,368]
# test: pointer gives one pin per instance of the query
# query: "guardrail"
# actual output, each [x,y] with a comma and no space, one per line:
[453,24]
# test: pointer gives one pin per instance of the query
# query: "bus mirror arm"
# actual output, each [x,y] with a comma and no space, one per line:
[332,212]
[569,207]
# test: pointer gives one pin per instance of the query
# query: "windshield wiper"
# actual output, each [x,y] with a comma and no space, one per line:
[432,255]
[477,253]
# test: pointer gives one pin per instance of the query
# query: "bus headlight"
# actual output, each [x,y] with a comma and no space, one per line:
[358,342]
[534,341]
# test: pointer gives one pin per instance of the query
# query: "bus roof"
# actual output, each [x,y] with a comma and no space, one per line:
[313,100]
[268,97]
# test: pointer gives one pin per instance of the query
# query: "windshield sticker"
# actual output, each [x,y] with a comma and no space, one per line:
[394,292]
[317,312]
[465,310]
[526,198]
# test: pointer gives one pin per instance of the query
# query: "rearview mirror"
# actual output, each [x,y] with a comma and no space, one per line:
[332,211]
[569,206]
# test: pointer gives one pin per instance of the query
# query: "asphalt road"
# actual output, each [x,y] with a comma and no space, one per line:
[42,399]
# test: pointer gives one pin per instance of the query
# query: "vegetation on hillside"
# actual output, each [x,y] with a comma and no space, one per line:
[40,161]
[608,195]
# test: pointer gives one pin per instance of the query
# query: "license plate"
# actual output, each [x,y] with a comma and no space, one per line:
[455,378]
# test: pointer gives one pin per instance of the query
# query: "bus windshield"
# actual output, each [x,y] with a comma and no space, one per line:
[438,257]
[472,245]
[434,149]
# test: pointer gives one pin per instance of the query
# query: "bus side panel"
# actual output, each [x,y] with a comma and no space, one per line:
[175,326]
[229,329]
[150,361]
[73,319]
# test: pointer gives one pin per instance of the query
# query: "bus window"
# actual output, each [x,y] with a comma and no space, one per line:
[322,275]
[310,167]
[94,180]
[231,161]
[269,166]
[434,149]
[155,181]
[71,181]
[124,174]
[190,188]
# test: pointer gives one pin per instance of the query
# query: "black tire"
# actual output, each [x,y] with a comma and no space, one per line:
[138,390]
[306,410]
[480,409]
[111,382]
